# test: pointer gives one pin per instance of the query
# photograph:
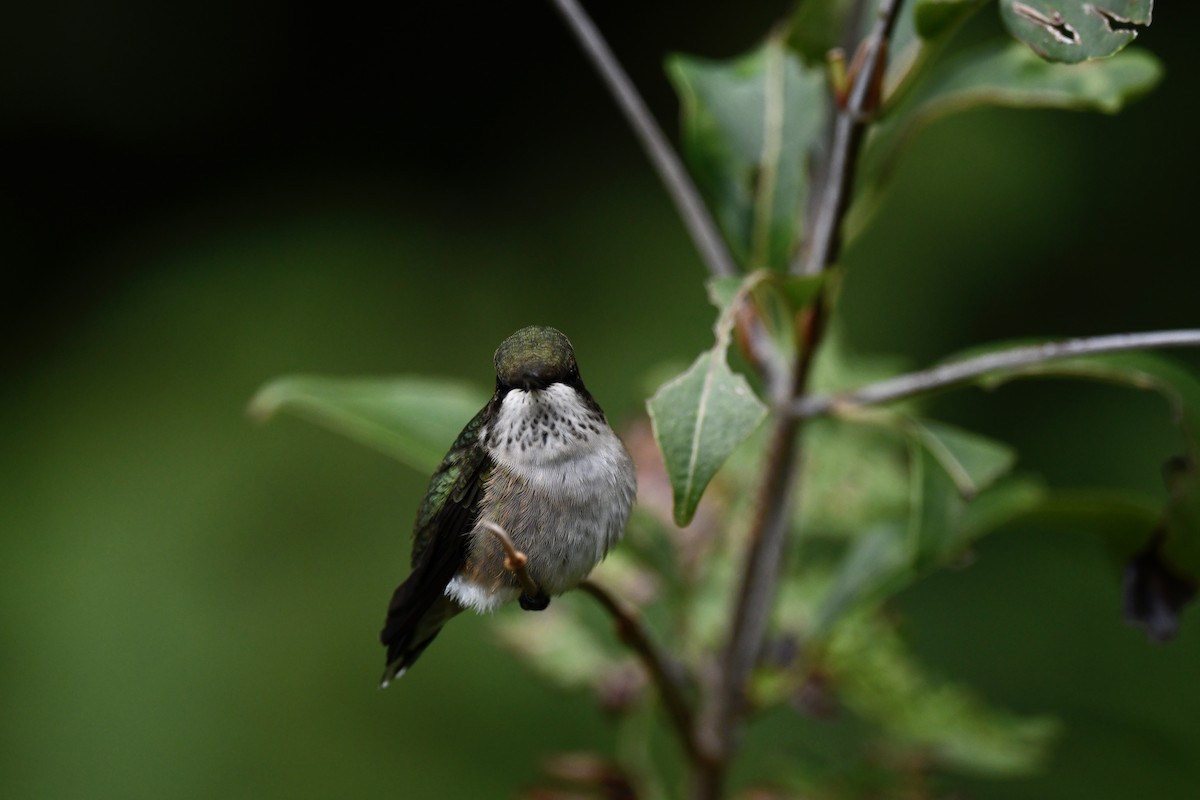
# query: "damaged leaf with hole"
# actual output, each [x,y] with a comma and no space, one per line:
[1072,30]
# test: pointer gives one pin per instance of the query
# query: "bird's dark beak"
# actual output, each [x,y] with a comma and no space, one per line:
[533,380]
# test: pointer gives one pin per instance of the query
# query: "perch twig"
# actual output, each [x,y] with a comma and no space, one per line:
[667,675]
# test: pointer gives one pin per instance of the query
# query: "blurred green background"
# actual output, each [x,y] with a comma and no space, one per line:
[196,198]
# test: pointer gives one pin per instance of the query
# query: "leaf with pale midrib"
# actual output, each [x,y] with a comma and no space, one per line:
[411,419]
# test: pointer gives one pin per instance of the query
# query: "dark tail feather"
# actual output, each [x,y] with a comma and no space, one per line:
[419,606]
[406,634]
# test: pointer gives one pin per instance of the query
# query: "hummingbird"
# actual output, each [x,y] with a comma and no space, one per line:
[540,461]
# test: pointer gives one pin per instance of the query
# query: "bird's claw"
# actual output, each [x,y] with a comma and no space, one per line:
[536,602]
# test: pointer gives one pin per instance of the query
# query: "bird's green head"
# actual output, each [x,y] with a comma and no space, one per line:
[533,358]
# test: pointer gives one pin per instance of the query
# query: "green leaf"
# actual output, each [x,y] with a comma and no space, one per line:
[971,461]
[1012,497]
[797,292]
[1143,371]
[794,291]
[1009,75]
[1006,74]
[955,495]
[778,299]
[1073,30]
[932,18]
[1122,521]
[702,415]
[411,419]
[722,292]
[1163,574]
[1156,584]
[879,680]
[876,565]
[699,417]
[1181,540]
[816,27]
[935,511]
[748,125]
[919,34]
[952,493]
[855,479]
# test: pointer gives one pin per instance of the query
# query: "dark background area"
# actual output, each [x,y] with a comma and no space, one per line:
[196,198]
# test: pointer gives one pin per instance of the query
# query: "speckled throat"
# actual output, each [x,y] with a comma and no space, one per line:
[543,426]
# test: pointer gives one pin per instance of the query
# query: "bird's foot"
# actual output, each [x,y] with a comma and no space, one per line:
[533,598]
[536,602]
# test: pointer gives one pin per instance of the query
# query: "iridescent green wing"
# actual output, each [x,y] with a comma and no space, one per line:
[452,499]
[444,518]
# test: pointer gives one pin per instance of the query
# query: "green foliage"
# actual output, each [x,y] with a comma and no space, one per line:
[948,468]
[410,419]
[816,26]
[1073,30]
[1142,371]
[934,18]
[887,498]
[972,462]
[878,563]
[919,37]
[700,416]
[747,127]
[923,718]
[1176,538]
[1009,75]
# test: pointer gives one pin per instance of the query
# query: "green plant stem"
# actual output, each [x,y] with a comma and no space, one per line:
[701,226]
[1000,362]
[822,244]
[721,722]
[724,715]
[712,743]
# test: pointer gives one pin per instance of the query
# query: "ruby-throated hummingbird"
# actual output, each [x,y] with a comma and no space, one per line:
[541,462]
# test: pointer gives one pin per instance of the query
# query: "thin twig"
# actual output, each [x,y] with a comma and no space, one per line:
[823,241]
[760,575]
[700,224]
[666,674]
[1017,358]
[514,559]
